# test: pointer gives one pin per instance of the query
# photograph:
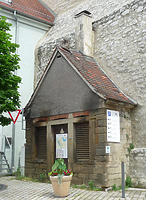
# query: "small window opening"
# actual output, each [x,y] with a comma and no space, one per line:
[40,138]
[82,141]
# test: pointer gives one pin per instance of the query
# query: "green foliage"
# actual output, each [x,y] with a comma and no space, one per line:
[115,188]
[18,174]
[91,185]
[83,186]
[59,167]
[131,146]
[43,177]
[128,181]
[9,82]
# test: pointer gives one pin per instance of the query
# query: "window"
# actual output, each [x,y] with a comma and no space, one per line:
[40,138]
[82,141]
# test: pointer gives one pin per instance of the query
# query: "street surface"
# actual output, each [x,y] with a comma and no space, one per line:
[21,190]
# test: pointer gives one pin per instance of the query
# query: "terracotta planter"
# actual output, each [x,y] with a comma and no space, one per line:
[61,190]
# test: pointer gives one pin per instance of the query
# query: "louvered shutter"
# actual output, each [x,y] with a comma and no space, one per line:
[82,141]
[41,143]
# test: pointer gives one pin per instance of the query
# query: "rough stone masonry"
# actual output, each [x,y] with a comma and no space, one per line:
[118,45]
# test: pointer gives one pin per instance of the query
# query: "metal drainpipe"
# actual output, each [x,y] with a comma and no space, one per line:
[16,30]
[13,125]
[13,147]
[16,33]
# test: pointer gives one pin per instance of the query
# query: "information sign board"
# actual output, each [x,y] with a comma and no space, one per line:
[113,126]
[61,146]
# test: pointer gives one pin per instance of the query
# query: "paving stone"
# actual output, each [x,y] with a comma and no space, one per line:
[18,190]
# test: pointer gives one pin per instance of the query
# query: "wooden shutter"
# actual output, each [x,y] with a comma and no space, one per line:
[82,141]
[41,142]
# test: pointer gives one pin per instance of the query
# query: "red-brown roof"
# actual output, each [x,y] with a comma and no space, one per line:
[31,8]
[95,77]
[91,73]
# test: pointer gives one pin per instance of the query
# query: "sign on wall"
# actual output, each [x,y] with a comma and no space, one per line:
[61,146]
[113,126]
[107,149]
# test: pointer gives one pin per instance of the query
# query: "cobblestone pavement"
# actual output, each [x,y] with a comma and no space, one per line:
[19,190]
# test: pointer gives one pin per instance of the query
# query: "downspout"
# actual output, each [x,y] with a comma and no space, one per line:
[16,29]
[13,125]
[16,34]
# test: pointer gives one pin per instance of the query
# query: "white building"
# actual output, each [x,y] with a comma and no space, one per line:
[30,21]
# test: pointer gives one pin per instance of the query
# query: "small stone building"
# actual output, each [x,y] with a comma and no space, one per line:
[76,97]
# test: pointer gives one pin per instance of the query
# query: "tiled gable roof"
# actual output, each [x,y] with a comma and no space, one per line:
[95,77]
[91,73]
[31,8]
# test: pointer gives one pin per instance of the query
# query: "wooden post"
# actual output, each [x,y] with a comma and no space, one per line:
[70,145]
[50,148]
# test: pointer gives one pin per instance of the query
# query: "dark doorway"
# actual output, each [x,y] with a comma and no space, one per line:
[59,129]
[40,138]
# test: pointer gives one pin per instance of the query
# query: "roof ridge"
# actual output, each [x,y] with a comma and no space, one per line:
[66,49]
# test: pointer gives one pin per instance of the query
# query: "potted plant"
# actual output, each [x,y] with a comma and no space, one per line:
[60,178]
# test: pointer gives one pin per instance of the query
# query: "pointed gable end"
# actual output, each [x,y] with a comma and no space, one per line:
[72,82]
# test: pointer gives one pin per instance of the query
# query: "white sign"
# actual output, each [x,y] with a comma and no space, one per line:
[113,126]
[107,149]
[61,145]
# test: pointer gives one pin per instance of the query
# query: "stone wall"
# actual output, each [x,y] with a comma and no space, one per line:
[63,31]
[120,50]
[99,8]
[138,166]
[105,169]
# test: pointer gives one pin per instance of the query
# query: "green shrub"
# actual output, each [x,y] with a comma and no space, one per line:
[128,181]
[115,188]
[91,185]
[43,177]
[131,146]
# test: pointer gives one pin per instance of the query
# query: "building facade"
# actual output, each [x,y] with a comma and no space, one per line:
[30,22]
[116,39]
[80,103]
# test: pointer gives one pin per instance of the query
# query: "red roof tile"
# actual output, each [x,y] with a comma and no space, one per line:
[33,8]
[91,73]
[95,76]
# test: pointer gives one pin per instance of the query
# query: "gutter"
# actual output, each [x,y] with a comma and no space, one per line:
[27,15]
[16,30]
[16,34]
